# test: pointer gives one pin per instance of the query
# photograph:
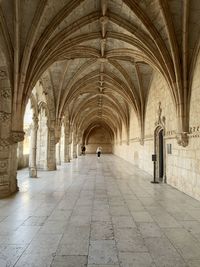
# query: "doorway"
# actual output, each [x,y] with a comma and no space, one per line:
[161,156]
[160,152]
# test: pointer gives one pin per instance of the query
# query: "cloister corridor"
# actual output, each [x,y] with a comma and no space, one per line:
[98,213]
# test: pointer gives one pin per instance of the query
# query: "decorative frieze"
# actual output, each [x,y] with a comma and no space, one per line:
[4,144]
[4,178]
[5,93]
[4,116]
[194,131]
[3,74]
[3,165]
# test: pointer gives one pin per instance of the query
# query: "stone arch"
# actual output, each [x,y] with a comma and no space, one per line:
[159,151]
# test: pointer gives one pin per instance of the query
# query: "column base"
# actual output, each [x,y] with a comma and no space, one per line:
[51,167]
[6,190]
[67,160]
[33,172]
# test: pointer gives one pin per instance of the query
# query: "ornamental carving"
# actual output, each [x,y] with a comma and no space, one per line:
[3,74]
[17,136]
[3,165]
[182,139]
[4,178]
[4,144]
[4,116]
[5,93]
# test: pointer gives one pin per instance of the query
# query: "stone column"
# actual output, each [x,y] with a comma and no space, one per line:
[66,145]
[74,146]
[20,158]
[33,152]
[58,157]
[51,150]
[8,163]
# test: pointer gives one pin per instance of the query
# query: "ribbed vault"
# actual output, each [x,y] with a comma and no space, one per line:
[95,59]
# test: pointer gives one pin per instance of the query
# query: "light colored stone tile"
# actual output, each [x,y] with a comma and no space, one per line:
[141,216]
[163,262]
[128,259]
[73,247]
[119,211]
[161,247]
[103,265]
[123,222]
[77,220]
[129,240]
[35,221]
[101,231]
[9,254]
[150,229]
[186,244]
[102,252]
[69,261]
[193,263]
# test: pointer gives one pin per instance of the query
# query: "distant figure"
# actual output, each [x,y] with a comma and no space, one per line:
[83,150]
[99,149]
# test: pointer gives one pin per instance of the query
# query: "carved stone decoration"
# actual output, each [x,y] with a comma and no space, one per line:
[5,93]
[3,165]
[17,136]
[141,141]
[4,178]
[159,113]
[3,74]
[182,139]
[4,116]
[4,144]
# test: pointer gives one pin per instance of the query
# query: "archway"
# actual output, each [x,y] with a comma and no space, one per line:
[159,150]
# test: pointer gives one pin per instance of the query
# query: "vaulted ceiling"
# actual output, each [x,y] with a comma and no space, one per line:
[97,57]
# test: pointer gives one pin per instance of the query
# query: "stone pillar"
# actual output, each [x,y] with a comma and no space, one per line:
[33,152]
[20,158]
[74,146]
[58,157]
[66,146]
[8,163]
[8,138]
[51,150]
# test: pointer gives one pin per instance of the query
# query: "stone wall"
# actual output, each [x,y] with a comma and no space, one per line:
[183,165]
[99,137]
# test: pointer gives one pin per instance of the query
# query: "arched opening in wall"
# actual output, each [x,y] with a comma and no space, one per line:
[160,154]
[24,147]
[99,136]
[42,138]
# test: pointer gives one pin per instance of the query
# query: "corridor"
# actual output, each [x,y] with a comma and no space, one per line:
[98,213]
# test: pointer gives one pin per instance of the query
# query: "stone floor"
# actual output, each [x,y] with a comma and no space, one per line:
[98,213]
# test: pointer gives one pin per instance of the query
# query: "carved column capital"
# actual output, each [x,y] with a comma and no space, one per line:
[182,139]
[17,136]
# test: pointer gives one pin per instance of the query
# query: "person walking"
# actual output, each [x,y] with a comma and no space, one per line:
[99,150]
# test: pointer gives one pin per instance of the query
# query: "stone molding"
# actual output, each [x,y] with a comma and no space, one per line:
[17,136]
[3,74]
[5,93]
[182,139]
[4,143]
[4,116]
